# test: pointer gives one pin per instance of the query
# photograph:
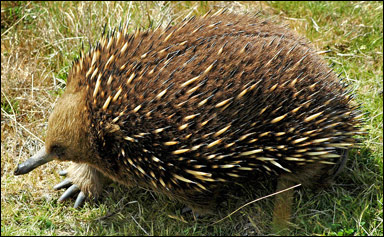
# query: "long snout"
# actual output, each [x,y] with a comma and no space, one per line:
[40,158]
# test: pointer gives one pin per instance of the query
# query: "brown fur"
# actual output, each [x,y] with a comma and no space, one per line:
[69,129]
[183,110]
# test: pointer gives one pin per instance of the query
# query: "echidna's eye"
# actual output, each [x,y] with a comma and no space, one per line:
[58,150]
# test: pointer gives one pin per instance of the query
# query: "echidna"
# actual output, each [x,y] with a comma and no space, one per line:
[206,102]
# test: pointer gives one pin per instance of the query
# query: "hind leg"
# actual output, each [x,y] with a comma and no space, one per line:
[282,206]
[315,176]
[82,179]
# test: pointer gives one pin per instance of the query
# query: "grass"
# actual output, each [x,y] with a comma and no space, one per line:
[39,40]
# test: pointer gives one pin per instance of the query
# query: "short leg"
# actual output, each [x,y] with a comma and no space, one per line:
[282,206]
[82,179]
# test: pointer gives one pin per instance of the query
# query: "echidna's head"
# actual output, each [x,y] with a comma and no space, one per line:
[67,136]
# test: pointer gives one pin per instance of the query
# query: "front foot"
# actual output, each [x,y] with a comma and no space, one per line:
[83,180]
[72,190]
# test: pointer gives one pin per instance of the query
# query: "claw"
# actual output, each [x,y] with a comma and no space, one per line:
[63,173]
[186,209]
[79,200]
[64,184]
[70,192]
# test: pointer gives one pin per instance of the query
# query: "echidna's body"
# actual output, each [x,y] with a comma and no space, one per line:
[208,101]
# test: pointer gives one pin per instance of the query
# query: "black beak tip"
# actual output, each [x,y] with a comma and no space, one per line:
[17,170]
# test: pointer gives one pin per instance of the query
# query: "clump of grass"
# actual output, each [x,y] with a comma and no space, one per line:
[38,44]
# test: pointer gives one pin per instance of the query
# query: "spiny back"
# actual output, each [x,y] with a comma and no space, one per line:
[211,99]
